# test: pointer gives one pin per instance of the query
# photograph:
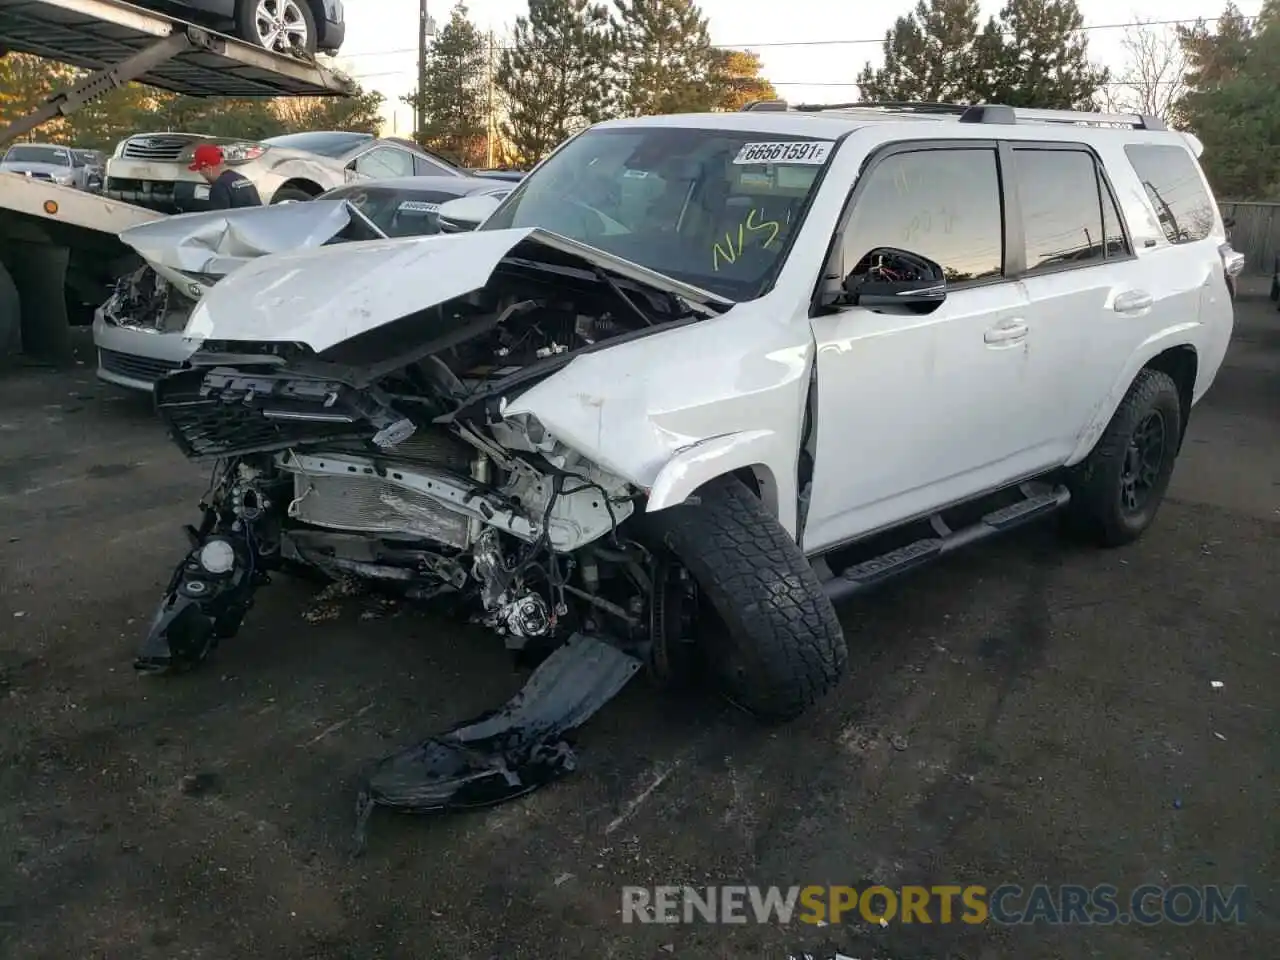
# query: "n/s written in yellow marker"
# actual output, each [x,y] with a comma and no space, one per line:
[733,244]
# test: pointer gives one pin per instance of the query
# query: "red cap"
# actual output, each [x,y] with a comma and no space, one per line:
[206,155]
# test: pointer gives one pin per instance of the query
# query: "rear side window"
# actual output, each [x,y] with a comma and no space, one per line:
[1069,217]
[940,204]
[1172,181]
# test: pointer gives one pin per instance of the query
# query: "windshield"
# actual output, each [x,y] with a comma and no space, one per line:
[714,208]
[38,155]
[324,144]
[397,213]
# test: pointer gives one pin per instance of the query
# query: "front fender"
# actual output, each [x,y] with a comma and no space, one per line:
[1181,335]
[695,465]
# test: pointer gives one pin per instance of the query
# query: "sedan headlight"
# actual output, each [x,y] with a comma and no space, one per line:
[243,152]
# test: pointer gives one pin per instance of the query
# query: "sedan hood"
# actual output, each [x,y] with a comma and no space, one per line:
[324,297]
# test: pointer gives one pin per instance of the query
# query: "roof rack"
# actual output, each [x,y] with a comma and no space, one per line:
[977,113]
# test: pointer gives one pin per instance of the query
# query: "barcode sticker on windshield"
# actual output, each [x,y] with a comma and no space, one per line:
[781,151]
[418,206]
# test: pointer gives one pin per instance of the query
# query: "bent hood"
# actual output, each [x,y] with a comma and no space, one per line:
[219,242]
[324,297]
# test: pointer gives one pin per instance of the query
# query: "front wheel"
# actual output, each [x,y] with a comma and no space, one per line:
[293,194]
[776,646]
[281,26]
[1117,489]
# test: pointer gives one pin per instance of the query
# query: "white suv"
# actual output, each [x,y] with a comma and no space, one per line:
[698,376]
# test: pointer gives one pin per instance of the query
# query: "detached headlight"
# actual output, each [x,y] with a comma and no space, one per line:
[243,152]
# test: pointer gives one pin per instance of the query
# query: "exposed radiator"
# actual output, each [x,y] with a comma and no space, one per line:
[372,504]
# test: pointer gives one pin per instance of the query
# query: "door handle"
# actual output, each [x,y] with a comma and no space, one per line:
[1006,332]
[1132,301]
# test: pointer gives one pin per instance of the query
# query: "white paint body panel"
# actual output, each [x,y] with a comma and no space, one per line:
[913,413]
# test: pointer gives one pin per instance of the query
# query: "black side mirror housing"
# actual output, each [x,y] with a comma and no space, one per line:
[888,277]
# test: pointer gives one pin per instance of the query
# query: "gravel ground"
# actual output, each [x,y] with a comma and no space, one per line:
[1027,713]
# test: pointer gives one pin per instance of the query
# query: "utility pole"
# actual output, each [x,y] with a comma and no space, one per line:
[491,124]
[424,26]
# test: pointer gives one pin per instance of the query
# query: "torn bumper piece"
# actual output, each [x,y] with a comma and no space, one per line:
[504,753]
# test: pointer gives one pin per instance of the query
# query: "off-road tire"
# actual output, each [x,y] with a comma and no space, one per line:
[1095,510]
[781,648]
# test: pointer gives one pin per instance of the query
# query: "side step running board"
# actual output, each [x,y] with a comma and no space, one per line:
[873,572]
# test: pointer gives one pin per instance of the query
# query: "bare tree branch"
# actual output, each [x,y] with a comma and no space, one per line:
[1153,78]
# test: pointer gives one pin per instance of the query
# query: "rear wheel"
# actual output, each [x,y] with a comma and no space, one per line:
[282,26]
[1117,489]
[772,640]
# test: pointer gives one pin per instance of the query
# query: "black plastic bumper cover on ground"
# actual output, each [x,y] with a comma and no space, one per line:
[505,753]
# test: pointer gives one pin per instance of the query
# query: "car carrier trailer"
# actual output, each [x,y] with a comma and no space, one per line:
[59,252]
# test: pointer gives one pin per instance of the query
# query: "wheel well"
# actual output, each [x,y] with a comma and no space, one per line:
[306,186]
[1181,364]
[759,480]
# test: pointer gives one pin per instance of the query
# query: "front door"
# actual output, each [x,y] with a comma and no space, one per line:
[915,412]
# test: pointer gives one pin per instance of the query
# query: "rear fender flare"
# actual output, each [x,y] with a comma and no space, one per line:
[697,464]
[1180,335]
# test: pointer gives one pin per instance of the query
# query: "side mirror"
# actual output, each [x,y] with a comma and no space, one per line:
[466,213]
[889,277]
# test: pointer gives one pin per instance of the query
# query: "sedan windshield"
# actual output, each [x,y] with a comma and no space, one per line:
[397,212]
[55,155]
[714,208]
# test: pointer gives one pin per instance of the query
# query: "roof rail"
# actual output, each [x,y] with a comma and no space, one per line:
[767,105]
[997,113]
[899,106]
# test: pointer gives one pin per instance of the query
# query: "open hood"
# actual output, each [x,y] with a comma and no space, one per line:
[217,243]
[324,297]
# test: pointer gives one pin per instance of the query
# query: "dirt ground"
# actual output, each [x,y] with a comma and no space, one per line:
[1022,713]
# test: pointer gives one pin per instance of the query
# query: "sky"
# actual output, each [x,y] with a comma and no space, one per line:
[811,53]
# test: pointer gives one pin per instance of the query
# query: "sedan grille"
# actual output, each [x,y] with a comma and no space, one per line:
[160,148]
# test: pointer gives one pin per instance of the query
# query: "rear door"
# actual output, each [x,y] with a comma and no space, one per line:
[1089,306]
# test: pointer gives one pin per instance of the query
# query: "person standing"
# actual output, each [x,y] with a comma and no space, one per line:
[227,189]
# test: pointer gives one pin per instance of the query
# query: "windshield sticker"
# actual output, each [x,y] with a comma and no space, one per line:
[419,206]
[814,152]
[747,230]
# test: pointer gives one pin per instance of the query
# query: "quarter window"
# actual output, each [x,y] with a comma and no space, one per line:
[1172,181]
[1061,208]
[940,204]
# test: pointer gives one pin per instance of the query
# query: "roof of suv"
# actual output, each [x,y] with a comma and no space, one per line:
[835,120]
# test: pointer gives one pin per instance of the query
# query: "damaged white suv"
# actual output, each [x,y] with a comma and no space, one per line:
[698,376]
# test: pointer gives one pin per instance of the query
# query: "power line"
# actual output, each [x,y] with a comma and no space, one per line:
[1088,28]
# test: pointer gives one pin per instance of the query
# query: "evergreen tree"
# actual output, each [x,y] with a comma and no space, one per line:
[453,97]
[1232,105]
[665,57]
[1034,55]
[737,80]
[928,55]
[555,76]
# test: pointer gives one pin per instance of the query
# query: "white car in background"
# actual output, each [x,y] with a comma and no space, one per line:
[151,169]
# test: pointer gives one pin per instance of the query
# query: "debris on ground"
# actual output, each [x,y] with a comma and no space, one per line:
[198,784]
[506,753]
[327,604]
[1216,684]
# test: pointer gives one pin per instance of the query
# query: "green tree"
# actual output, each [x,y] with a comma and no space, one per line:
[737,81]
[555,76]
[104,122]
[453,96]
[665,57]
[250,119]
[360,113]
[25,83]
[930,54]
[1034,55]
[1233,106]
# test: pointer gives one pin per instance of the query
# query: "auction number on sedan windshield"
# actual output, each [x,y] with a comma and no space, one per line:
[779,151]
